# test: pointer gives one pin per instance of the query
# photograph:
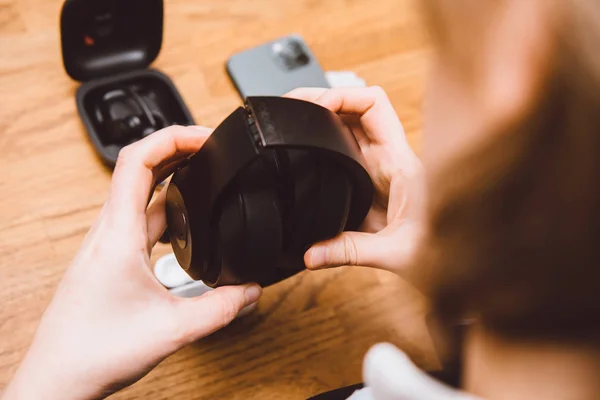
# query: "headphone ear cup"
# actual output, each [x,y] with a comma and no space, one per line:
[301,218]
[322,197]
[335,197]
[228,244]
[250,231]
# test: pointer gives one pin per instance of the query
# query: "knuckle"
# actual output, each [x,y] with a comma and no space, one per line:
[350,250]
[229,309]
[126,154]
[172,130]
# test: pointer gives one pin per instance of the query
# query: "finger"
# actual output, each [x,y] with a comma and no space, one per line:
[134,173]
[200,316]
[306,94]
[371,105]
[390,250]
[389,374]
[164,171]
[348,248]
[377,115]
[156,218]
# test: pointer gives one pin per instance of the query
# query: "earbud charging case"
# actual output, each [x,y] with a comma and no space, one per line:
[108,44]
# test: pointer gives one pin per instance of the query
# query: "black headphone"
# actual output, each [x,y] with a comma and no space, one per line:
[126,116]
[274,178]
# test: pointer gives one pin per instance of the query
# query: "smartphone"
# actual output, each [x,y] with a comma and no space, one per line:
[275,68]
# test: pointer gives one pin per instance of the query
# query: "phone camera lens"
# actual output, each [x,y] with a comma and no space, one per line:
[290,54]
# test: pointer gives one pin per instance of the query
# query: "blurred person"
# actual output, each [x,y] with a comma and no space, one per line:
[497,224]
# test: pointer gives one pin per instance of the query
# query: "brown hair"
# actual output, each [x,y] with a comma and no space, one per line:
[514,229]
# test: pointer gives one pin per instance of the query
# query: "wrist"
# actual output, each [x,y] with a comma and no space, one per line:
[35,381]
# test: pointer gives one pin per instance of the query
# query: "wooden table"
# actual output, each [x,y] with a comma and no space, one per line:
[311,331]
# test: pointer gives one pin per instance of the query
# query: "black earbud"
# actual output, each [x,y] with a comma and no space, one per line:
[126,117]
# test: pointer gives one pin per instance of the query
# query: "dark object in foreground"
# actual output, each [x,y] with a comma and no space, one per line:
[274,178]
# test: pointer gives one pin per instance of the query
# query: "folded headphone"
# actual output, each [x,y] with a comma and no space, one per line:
[277,176]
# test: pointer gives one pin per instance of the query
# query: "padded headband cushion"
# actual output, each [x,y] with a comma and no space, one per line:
[335,196]
[250,229]
[321,203]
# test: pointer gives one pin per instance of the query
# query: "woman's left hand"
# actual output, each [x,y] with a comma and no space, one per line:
[110,321]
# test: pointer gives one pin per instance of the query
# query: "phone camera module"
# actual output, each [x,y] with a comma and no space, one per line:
[290,54]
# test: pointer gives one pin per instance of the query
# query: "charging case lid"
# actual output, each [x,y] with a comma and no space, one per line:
[106,37]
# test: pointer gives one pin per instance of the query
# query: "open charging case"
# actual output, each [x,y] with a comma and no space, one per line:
[108,45]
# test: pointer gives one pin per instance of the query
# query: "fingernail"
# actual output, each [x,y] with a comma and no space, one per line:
[253,293]
[316,257]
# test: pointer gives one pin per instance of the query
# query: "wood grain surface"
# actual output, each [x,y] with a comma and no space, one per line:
[311,331]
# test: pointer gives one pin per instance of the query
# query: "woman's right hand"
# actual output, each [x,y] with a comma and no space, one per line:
[392,229]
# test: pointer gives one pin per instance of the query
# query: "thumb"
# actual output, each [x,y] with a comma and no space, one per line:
[198,317]
[348,248]
[378,250]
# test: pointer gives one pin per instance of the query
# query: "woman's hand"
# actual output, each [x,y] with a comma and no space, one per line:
[394,223]
[110,321]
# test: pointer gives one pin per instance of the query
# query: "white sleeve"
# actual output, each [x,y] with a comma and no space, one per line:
[390,375]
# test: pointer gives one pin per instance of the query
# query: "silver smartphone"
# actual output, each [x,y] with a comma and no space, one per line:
[275,68]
